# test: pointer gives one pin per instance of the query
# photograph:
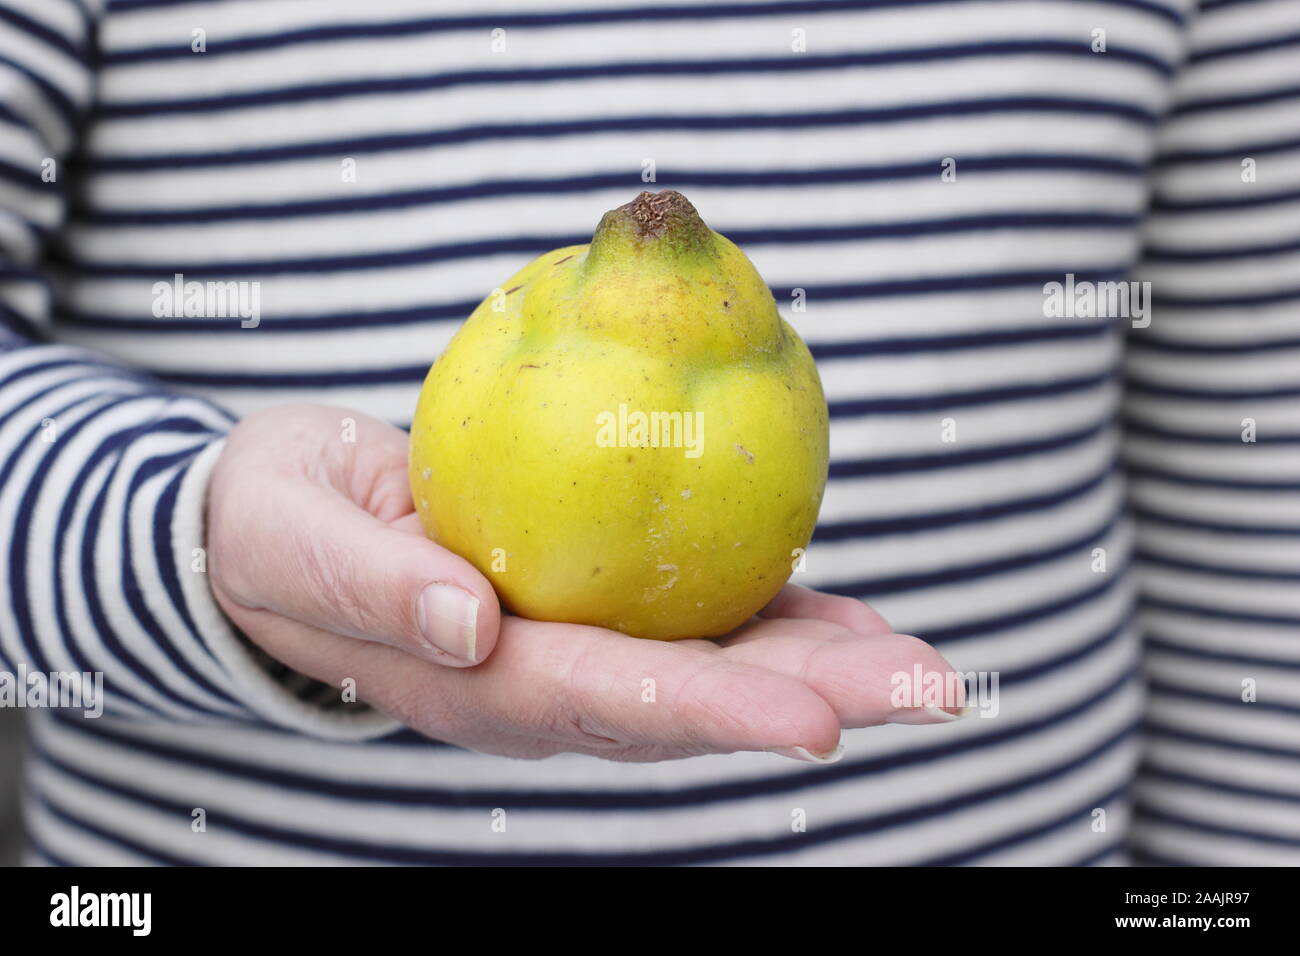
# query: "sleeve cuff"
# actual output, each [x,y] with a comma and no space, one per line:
[256,686]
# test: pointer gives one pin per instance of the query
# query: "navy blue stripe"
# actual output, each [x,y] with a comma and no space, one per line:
[1118,853]
[957,341]
[535,244]
[1154,558]
[16,331]
[163,546]
[40,31]
[21,176]
[1236,101]
[42,852]
[89,23]
[105,371]
[1122,631]
[1137,385]
[1219,153]
[1152,770]
[1210,254]
[550,19]
[329,378]
[538,245]
[1243,49]
[1159,516]
[157,856]
[1231,435]
[1251,199]
[36,232]
[734,66]
[8,413]
[972,514]
[10,115]
[666,122]
[1136,470]
[1154,728]
[1235,615]
[12,272]
[713,11]
[872,588]
[1155,639]
[1207,5]
[291,324]
[954,457]
[1081,815]
[1226,301]
[62,103]
[970,398]
[1159,346]
[1034,613]
[1273,838]
[1162,688]
[1144,857]
[928,285]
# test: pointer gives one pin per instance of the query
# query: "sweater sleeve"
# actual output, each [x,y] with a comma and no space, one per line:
[103,469]
[1212,414]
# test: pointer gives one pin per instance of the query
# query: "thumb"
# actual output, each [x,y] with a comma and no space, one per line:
[339,568]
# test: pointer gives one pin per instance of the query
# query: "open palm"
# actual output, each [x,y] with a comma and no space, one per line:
[317,555]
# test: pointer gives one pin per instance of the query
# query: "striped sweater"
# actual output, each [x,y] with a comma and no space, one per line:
[1064,500]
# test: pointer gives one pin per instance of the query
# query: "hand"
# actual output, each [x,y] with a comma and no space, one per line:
[316,553]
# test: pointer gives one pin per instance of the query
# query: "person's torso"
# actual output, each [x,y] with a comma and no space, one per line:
[906,177]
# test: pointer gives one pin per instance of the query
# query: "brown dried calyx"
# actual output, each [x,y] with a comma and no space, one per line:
[652,212]
[664,222]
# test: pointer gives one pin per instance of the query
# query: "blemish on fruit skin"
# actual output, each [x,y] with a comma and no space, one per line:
[515,289]
[595,571]
[749,459]
[426,474]
[686,492]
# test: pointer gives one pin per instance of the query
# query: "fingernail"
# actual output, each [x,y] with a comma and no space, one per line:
[448,620]
[807,756]
[926,715]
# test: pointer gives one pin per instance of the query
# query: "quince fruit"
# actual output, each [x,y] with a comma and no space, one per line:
[627,433]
